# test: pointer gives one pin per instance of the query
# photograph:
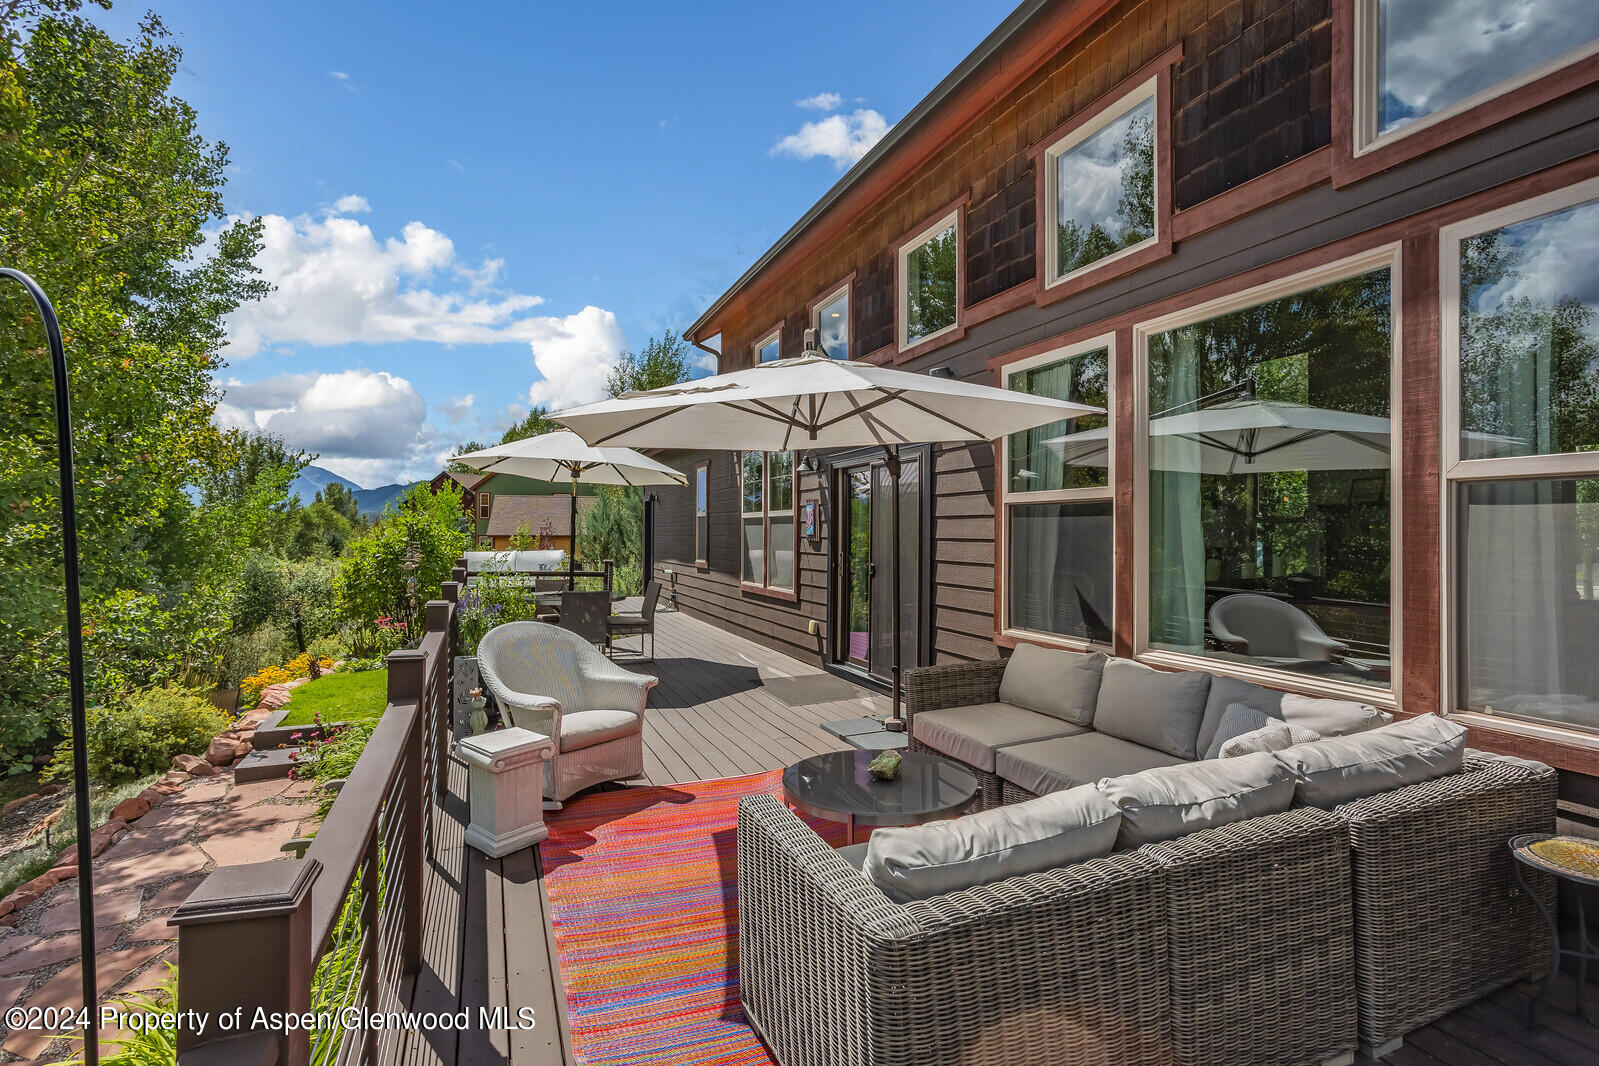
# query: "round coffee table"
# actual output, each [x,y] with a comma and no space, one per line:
[837,786]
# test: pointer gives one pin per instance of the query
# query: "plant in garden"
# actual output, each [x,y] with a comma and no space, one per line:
[402,563]
[297,667]
[328,755]
[141,735]
[494,599]
[156,1044]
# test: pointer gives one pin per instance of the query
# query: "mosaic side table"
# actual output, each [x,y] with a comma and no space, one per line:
[1567,858]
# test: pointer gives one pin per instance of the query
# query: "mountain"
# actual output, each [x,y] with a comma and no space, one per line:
[370,502]
[313,479]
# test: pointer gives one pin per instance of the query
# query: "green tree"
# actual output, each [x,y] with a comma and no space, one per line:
[342,500]
[664,361]
[536,423]
[403,561]
[110,196]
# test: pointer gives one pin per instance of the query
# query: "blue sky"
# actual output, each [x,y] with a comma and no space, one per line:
[491,200]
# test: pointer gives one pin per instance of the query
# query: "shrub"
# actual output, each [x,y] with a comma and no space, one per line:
[328,647]
[493,600]
[402,563]
[140,736]
[330,759]
[249,652]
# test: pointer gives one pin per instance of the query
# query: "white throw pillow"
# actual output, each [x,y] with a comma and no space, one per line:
[1273,737]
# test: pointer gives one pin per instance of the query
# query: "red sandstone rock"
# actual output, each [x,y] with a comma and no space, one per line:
[220,753]
[194,765]
[131,809]
[153,796]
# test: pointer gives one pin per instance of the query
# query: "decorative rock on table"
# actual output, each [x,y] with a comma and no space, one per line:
[506,789]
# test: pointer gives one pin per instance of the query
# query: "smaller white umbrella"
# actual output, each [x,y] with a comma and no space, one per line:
[563,453]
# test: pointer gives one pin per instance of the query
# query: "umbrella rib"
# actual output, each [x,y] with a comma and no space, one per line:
[640,425]
[857,408]
[969,431]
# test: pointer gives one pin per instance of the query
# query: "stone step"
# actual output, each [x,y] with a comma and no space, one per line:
[265,765]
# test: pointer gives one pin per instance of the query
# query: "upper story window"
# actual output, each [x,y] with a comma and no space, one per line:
[831,319]
[1100,201]
[484,502]
[1059,518]
[1421,61]
[768,518]
[929,281]
[770,347]
[702,512]
[1521,460]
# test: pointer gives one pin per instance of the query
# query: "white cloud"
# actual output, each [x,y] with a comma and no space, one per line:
[339,74]
[575,356]
[335,282]
[821,102]
[370,427]
[458,408]
[841,138]
[351,205]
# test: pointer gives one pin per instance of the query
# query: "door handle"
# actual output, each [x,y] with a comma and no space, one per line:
[871,570]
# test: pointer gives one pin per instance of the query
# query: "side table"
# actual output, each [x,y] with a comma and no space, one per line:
[1571,859]
[505,788]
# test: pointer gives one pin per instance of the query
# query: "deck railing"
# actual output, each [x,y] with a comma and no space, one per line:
[310,945]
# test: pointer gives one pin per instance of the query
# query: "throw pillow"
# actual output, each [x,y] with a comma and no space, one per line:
[1339,769]
[1040,834]
[1273,737]
[1237,720]
[1062,684]
[1173,801]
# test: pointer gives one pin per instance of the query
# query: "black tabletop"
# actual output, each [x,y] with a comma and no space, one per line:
[837,785]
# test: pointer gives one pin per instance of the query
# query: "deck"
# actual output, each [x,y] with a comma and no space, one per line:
[727,706]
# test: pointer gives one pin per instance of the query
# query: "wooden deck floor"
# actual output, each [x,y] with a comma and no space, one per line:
[727,706]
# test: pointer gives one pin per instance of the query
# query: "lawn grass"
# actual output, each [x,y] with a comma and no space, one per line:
[352,697]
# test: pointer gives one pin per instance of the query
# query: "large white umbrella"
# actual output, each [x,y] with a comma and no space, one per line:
[815,402]
[563,454]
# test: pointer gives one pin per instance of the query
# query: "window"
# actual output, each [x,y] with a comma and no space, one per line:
[1059,552]
[929,281]
[1521,458]
[1100,200]
[484,500]
[771,348]
[485,542]
[702,511]
[768,520]
[831,319]
[1421,61]
[1268,438]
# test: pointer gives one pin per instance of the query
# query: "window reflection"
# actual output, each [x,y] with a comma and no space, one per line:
[832,324]
[930,281]
[1105,191]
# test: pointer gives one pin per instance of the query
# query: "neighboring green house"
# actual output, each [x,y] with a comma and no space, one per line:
[505,503]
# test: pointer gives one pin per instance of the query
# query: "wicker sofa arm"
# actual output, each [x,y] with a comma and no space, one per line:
[833,971]
[929,688]
[1440,919]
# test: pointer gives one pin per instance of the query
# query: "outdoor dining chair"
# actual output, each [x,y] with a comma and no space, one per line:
[640,625]
[584,613]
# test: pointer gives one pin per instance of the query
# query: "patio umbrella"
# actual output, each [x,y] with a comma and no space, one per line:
[564,454]
[815,402]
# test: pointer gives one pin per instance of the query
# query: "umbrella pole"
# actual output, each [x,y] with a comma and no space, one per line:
[894,723]
[571,540]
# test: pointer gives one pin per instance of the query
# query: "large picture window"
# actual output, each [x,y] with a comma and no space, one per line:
[1101,187]
[929,281]
[1521,349]
[1420,61]
[1269,443]
[768,519]
[1058,552]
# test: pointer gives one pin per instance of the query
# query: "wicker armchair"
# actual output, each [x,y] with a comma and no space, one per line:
[1439,918]
[556,683]
[1065,967]
[932,688]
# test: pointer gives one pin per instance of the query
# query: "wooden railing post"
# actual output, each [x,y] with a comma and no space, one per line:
[408,684]
[441,619]
[244,935]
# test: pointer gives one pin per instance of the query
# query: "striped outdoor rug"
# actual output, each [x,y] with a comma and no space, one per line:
[642,901]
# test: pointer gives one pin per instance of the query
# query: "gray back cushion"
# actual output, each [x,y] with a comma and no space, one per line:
[1172,801]
[1061,684]
[1330,718]
[1022,838]
[1155,708]
[1226,691]
[1339,769]
[1236,720]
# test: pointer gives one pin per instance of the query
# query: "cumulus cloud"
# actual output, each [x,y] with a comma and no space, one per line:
[841,138]
[575,356]
[336,282]
[351,205]
[368,426]
[458,408]
[821,102]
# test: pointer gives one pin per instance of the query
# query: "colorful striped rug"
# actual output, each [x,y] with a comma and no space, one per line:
[645,913]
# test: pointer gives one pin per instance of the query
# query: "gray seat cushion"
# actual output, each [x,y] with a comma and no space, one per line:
[1338,769]
[1023,838]
[1061,684]
[1066,762]
[584,729]
[971,734]
[1173,801]
[1156,708]
[854,854]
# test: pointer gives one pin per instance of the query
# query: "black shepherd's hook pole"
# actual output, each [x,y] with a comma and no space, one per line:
[80,757]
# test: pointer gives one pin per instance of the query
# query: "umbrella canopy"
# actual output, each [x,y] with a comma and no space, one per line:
[814,402]
[1249,436]
[564,454]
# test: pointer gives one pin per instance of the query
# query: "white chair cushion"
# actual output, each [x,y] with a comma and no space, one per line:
[584,729]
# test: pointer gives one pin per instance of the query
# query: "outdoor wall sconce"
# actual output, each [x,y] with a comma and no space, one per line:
[941,372]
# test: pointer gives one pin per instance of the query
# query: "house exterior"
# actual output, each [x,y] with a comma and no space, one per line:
[503,504]
[1331,283]
[465,482]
